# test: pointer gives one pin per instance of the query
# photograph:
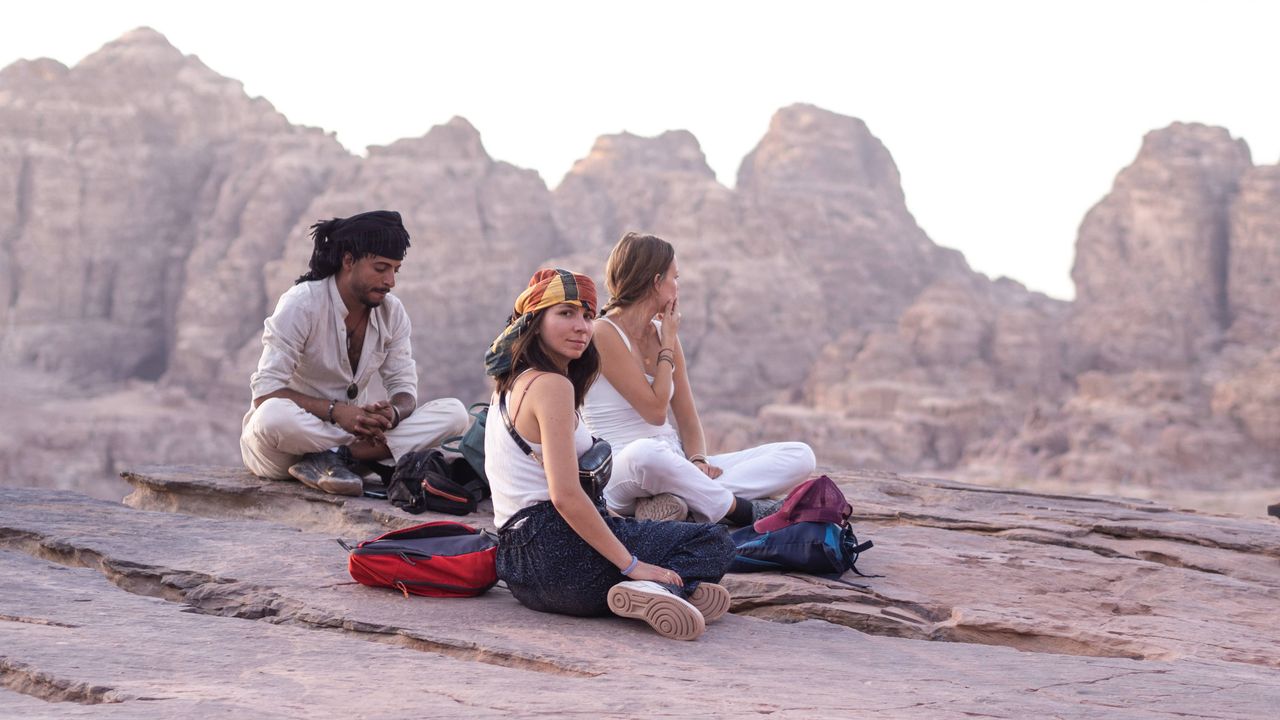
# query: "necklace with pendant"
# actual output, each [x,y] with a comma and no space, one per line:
[352,390]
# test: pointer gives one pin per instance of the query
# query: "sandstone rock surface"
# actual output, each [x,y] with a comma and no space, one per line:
[988,602]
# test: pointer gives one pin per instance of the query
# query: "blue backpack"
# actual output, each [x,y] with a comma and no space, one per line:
[818,548]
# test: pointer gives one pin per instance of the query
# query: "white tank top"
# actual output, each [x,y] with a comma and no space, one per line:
[516,479]
[611,417]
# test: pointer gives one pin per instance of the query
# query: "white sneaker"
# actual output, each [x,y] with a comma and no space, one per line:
[712,600]
[668,614]
[663,506]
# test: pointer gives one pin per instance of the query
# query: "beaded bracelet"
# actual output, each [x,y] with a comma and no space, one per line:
[332,403]
[635,561]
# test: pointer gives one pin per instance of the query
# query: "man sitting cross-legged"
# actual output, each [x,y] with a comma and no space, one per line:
[313,414]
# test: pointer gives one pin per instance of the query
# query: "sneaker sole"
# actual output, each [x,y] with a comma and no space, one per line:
[342,486]
[712,600]
[668,615]
[663,507]
[346,484]
[306,477]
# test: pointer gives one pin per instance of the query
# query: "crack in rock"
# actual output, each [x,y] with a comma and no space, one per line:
[1095,681]
[22,678]
[1075,541]
[35,621]
[222,597]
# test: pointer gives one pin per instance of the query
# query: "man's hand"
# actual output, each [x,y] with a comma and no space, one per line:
[382,410]
[711,471]
[360,421]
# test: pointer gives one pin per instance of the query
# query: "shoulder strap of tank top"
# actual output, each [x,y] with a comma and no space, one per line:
[526,391]
[623,333]
[511,428]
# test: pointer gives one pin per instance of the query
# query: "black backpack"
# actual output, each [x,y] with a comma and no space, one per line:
[825,549]
[424,480]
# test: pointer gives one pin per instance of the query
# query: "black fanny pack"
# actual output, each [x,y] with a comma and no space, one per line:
[594,466]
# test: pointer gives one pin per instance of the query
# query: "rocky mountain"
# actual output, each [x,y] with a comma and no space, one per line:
[151,213]
[1171,340]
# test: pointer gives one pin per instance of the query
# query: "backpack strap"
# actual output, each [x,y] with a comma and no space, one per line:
[857,550]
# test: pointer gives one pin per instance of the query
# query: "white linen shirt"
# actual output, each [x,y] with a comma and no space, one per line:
[305,347]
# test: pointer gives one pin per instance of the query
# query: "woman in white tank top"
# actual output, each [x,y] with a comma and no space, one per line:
[661,469]
[557,552]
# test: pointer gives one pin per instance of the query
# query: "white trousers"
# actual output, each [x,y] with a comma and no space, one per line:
[651,466]
[279,432]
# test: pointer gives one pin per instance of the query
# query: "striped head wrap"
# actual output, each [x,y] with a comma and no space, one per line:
[546,288]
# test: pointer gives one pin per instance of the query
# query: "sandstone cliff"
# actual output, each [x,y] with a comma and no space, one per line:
[156,212]
[126,176]
[1171,341]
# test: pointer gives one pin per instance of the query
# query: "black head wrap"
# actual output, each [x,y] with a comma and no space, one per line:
[378,232]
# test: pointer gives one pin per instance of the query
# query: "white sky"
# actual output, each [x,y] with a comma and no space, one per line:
[1007,120]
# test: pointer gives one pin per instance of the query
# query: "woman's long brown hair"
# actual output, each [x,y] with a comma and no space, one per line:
[632,265]
[529,353]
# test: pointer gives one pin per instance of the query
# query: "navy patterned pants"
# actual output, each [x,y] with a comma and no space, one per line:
[549,568]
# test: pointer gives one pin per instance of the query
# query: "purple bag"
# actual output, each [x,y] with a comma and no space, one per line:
[816,500]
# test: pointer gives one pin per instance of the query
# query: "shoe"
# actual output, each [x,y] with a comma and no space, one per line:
[668,614]
[325,471]
[712,600]
[764,508]
[663,506]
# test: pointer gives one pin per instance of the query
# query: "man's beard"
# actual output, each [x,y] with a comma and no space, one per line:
[367,299]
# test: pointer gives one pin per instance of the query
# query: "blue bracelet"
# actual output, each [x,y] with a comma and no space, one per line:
[634,562]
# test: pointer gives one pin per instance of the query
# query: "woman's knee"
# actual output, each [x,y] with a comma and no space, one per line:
[633,459]
[806,462]
[649,454]
[724,540]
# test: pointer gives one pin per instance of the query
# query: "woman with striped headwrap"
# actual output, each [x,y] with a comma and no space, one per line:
[557,551]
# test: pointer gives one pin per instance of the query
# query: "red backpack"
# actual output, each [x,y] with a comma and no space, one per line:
[436,559]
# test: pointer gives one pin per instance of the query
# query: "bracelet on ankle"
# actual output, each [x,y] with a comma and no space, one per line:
[698,458]
[635,561]
[332,403]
